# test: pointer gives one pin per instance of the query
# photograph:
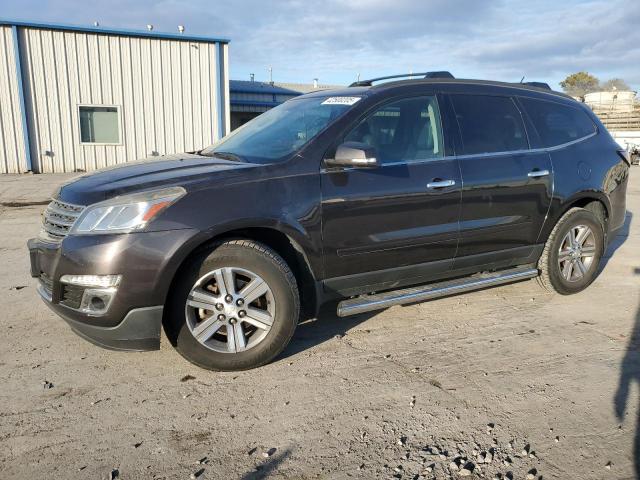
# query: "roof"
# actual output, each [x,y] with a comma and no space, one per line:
[114,31]
[306,87]
[464,81]
[248,86]
[382,87]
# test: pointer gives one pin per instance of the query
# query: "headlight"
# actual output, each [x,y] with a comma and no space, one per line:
[126,213]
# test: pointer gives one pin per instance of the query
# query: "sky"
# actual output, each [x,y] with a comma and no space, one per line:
[335,40]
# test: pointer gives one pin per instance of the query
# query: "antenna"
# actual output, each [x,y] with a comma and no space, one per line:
[181,28]
[358,77]
[149,27]
[270,74]
[252,77]
[96,24]
[522,79]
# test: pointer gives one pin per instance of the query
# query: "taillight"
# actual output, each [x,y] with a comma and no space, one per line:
[625,155]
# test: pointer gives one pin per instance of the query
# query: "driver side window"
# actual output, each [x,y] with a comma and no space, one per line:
[402,131]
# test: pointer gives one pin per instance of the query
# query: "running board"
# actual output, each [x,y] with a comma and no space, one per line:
[378,301]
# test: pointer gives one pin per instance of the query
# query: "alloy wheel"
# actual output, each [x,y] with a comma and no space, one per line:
[576,253]
[230,310]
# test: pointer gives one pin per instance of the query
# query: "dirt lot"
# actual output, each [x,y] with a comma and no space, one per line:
[529,381]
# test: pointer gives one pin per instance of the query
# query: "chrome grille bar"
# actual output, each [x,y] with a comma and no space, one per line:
[58,218]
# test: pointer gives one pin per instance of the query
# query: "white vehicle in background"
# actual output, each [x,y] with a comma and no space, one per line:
[630,141]
[634,152]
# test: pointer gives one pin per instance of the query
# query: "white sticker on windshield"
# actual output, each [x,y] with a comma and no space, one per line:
[340,101]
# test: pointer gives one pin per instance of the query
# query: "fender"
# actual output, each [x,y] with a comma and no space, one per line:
[301,240]
[561,206]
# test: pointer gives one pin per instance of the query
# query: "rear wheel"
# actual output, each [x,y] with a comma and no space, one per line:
[234,308]
[569,262]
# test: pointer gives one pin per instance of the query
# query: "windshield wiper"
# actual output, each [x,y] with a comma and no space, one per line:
[228,156]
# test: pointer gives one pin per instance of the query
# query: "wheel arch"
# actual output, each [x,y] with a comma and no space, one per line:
[288,247]
[595,201]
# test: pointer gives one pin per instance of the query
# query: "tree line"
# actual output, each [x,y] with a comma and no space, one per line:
[580,83]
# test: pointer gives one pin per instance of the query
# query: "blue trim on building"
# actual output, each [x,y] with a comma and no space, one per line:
[114,31]
[23,111]
[219,85]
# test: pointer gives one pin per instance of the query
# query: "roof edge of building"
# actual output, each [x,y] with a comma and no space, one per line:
[113,31]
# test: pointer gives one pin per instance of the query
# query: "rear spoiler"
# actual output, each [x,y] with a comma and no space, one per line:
[537,84]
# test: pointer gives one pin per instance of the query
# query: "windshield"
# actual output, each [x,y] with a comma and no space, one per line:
[281,131]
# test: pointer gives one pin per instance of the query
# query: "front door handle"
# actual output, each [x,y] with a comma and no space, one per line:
[437,183]
[538,173]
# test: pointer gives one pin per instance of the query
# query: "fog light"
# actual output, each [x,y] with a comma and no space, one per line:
[96,301]
[99,281]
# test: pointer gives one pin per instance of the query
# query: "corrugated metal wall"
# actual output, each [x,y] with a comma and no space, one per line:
[13,157]
[165,90]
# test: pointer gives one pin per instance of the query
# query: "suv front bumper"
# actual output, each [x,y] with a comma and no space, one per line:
[133,320]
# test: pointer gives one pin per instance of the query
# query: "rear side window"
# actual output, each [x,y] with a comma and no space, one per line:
[489,124]
[556,123]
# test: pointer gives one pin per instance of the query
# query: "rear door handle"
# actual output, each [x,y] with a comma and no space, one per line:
[538,173]
[441,183]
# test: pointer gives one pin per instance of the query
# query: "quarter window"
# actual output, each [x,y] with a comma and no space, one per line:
[489,124]
[402,131]
[99,124]
[557,123]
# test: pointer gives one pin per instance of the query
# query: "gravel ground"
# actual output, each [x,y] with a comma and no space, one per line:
[510,382]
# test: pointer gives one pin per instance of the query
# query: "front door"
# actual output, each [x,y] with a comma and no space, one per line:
[398,221]
[507,187]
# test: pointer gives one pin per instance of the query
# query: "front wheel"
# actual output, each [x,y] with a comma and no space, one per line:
[570,260]
[234,308]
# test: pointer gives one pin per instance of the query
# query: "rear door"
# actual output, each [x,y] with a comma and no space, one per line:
[398,221]
[507,186]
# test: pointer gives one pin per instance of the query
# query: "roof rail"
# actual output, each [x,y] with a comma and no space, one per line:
[537,84]
[368,83]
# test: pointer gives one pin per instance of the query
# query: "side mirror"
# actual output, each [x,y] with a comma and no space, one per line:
[354,154]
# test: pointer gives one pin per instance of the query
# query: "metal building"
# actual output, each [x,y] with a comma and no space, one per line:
[82,98]
[250,98]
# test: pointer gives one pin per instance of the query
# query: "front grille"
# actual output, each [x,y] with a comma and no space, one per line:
[72,296]
[47,284]
[58,218]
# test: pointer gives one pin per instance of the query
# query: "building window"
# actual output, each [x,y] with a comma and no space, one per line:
[99,124]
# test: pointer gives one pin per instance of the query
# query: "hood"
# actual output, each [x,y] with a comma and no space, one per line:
[184,169]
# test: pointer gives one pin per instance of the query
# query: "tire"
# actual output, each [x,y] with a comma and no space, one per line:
[554,267]
[241,263]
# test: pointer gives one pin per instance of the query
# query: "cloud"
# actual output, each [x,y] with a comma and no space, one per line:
[336,39]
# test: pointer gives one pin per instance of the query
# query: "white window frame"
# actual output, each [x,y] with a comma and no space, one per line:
[100,105]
